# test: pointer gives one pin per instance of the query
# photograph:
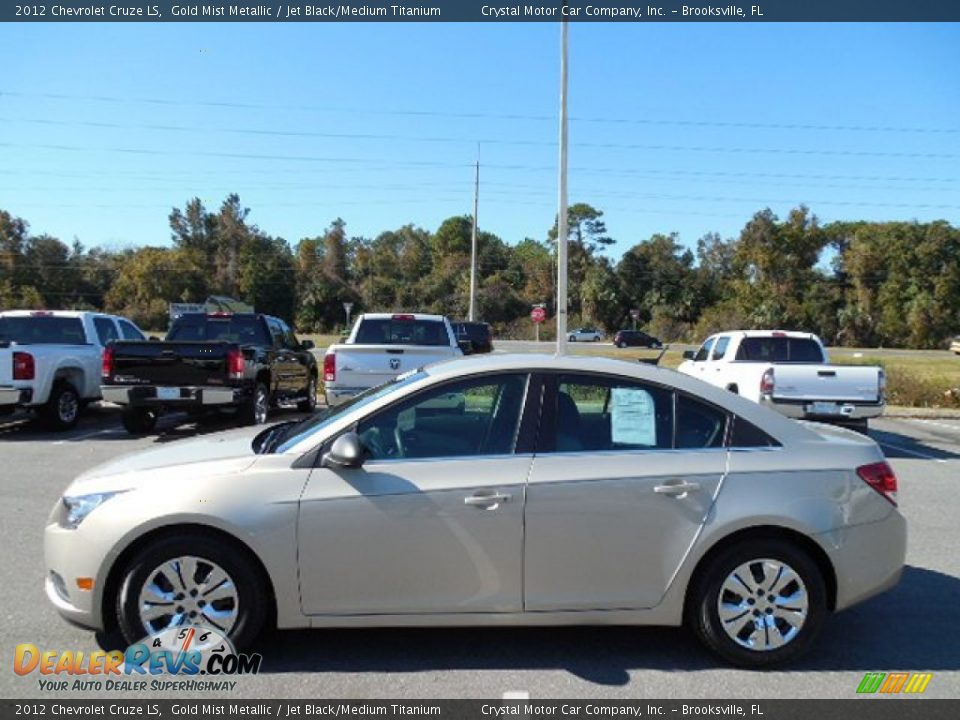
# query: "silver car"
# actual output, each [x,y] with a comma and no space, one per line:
[504,490]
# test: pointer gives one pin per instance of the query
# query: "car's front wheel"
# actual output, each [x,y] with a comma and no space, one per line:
[759,603]
[572,338]
[190,580]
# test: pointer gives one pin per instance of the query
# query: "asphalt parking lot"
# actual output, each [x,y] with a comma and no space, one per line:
[912,628]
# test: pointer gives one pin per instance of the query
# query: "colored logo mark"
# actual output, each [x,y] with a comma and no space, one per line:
[895,682]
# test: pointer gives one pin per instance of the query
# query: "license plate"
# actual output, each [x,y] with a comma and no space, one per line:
[824,408]
[165,393]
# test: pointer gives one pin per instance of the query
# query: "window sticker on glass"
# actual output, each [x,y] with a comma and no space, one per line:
[633,418]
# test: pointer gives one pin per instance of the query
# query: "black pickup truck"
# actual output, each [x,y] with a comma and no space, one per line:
[248,361]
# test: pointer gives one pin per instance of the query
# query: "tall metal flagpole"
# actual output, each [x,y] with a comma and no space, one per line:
[562,213]
[473,244]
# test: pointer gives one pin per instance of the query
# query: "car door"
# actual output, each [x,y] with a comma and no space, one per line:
[433,520]
[714,366]
[622,482]
[300,365]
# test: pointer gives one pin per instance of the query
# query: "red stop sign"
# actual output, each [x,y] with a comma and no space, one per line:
[538,314]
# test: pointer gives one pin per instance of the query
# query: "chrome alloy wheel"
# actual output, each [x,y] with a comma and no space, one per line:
[188,591]
[763,604]
[261,405]
[68,407]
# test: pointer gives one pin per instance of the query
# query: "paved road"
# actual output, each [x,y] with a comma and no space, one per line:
[914,627]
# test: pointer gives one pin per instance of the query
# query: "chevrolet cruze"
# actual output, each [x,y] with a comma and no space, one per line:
[505,490]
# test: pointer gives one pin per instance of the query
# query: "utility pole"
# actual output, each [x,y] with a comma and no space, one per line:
[562,215]
[473,244]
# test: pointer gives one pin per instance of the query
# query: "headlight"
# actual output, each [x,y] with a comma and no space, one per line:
[77,508]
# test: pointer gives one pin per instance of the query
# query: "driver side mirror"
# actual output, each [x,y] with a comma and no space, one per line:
[689,354]
[346,452]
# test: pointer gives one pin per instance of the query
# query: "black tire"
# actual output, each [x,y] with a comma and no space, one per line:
[139,420]
[703,616]
[621,344]
[251,603]
[256,410]
[62,410]
[310,403]
[572,338]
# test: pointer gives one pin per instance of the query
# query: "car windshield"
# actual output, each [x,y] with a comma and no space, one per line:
[243,329]
[401,332]
[291,435]
[39,330]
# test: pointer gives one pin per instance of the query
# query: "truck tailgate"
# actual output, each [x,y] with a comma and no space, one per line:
[371,365]
[181,364]
[836,383]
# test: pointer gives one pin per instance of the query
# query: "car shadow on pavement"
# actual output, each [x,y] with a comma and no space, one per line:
[897,446]
[910,627]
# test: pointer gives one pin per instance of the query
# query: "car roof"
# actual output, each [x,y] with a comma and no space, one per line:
[390,316]
[56,313]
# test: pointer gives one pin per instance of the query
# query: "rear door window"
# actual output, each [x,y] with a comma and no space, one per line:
[106,330]
[392,331]
[245,330]
[129,332]
[42,330]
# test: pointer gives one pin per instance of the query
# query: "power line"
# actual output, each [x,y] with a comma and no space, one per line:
[488,141]
[485,115]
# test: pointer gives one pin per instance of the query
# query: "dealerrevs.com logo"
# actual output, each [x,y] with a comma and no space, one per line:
[185,652]
[893,683]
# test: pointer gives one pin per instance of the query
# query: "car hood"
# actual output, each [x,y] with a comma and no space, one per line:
[189,459]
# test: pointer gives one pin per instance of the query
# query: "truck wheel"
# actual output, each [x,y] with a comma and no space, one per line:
[255,410]
[62,410]
[310,403]
[139,421]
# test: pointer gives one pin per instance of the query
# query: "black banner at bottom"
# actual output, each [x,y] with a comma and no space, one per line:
[875,708]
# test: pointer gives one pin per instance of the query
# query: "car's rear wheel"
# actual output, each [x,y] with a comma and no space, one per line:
[309,404]
[191,580]
[139,420]
[62,410]
[759,603]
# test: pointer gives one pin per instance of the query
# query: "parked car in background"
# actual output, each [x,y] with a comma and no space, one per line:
[479,335]
[585,334]
[247,361]
[636,338]
[382,346]
[955,345]
[789,372]
[50,360]
[502,490]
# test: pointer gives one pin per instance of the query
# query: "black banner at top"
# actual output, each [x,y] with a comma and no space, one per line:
[485,11]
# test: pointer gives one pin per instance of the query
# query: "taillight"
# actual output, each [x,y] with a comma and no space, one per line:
[23,366]
[766,382]
[880,477]
[329,367]
[405,317]
[107,370]
[235,364]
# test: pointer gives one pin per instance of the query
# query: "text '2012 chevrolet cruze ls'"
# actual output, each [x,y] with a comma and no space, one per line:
[506,490]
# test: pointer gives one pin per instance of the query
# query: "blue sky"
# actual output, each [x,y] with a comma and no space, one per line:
[676,127]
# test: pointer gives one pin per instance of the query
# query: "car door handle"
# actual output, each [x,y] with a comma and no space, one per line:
[486,501]
[677,488]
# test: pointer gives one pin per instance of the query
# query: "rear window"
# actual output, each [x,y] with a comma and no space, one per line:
[36,330]
[401,332]
[233,328]
[473,331]
[779,350]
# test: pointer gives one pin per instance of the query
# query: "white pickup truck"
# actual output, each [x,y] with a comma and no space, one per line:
[791,373]
[50,361]
[382,346]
